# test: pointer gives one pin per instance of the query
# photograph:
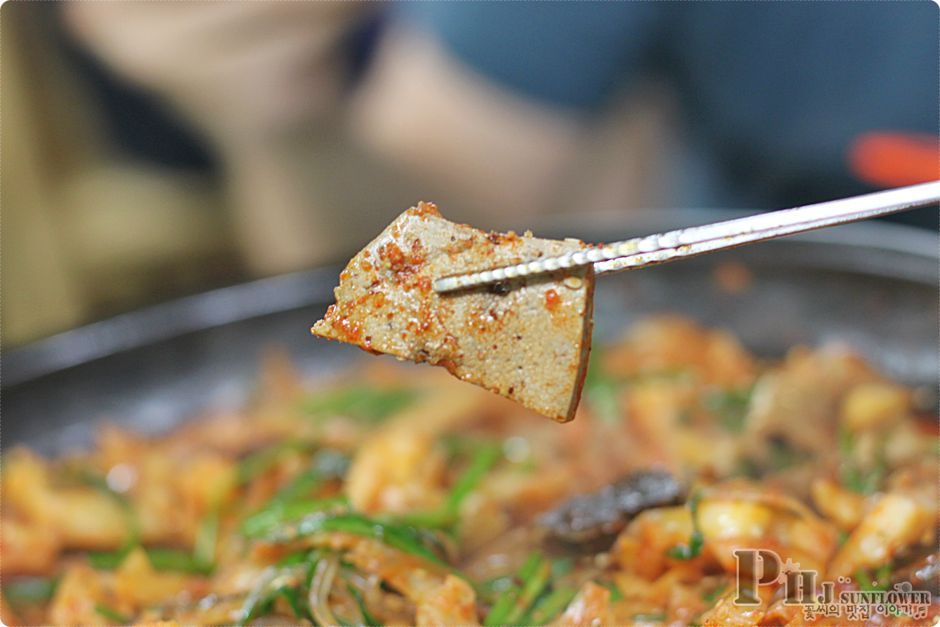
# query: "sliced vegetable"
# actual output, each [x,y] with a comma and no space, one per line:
[326,464]
[367,618]
[29,590]
[730,406]
[602,392]
[880,580]
[489,590]
[300,557]
[528,598]
[206,539]
[277,514]
[160,558]
[289,582]
[94,479]
[863,481]
[604,397]
[261,461]
[853,476]
[551,604]
[299,488]
[501,609]
[112,614]
[400,536]
[293,501]
[615,593]
[296,602]
[365,403]
[533,583]
[696,540]
[483,460]
[107,560]
[178,560]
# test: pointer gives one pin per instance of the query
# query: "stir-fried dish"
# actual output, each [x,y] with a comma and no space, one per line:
[394,494]
[527,340]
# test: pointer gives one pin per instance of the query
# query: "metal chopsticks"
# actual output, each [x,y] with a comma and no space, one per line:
[659,248]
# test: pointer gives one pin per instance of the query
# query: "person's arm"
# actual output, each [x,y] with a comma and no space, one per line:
[484,145]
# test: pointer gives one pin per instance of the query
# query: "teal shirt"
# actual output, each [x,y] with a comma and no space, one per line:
[772,94]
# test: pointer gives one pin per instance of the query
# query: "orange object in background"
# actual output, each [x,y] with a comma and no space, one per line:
[886,159]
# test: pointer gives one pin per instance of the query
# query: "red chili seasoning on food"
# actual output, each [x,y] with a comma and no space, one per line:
[424,284]
[425,209]
[552,300]
[350,329]
[393,255]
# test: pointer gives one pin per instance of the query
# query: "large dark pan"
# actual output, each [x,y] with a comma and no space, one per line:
[871,286]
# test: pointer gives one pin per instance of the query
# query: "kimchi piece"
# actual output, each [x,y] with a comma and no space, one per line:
[527,339]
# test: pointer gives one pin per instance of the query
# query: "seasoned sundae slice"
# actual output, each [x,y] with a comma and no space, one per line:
[527,340]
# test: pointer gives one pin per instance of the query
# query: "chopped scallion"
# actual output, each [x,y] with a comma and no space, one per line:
[696,540]
[402,537]
[447,514]
[279,513]
[364,403]
[551,605]
[29,590]
[112,614]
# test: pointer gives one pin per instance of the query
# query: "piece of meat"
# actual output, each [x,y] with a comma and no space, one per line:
[527,340]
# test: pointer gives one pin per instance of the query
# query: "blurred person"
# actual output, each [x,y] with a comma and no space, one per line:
[491,107]
[494,98]
[166,146]
[270,88]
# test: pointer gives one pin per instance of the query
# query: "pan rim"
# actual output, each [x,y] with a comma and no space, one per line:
[270,295]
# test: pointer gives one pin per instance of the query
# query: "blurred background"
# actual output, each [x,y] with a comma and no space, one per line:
[156,149]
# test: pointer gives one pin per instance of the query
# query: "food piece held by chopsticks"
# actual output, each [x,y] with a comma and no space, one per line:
[528,342]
